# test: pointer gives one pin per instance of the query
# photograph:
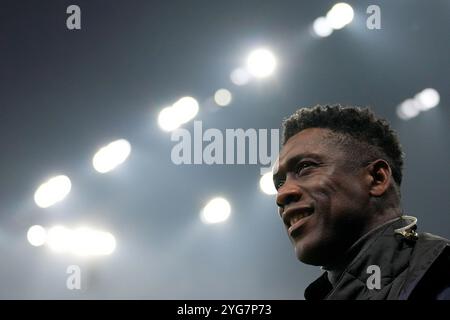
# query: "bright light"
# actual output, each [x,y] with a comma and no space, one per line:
[239,77]
[423,101]
[261,63]
[322,28]
[167,119]
[340,15]
[217,210]
[222,97]
[408,109]
[182,111]
[82,241]
[185,109]
[37,235]
[427,99]
[266,184]
[112,155]
[89,242]
[52,191]
[60,239]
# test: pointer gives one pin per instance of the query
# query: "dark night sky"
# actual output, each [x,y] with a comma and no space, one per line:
[63,94]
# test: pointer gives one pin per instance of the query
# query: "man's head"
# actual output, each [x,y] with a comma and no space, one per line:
[338,176]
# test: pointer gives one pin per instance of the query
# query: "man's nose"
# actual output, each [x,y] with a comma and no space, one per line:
[288,193]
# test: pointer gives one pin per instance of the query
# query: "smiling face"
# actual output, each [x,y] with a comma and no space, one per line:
[323,197]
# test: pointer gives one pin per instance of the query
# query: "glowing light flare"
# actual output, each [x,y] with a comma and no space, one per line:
[408,109]
[217,210]
[60,239]
[261,63]
[340,15]
[52,191]
[427,99]
[167,119]
[37,235]
[182,111]
[90,242]
[423,101]
[266,184]
[81,241]
[111,156]
[185,109]
[223,97]
[322,28]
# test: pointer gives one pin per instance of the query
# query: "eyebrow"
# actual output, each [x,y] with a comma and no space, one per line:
[292,162]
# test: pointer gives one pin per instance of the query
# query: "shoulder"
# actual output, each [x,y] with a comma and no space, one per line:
[429,276]
[432,237]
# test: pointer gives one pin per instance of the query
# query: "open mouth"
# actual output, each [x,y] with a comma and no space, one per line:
[294,218]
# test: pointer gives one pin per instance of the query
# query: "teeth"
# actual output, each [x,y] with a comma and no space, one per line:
[297,217]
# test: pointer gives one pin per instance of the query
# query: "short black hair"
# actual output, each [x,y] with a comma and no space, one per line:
[363,134]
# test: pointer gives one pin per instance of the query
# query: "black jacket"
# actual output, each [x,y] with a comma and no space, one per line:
[410,268]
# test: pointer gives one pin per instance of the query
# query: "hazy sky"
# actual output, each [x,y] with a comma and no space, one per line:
[64,93]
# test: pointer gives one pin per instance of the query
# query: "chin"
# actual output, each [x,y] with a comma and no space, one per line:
[311,254]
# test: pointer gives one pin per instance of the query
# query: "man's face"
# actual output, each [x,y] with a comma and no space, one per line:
[321,197]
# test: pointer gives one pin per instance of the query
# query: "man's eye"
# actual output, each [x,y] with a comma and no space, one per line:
[279,184]
[304,165]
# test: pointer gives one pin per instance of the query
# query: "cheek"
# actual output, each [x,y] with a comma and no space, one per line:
[321,191]
[347,205]
[335,195]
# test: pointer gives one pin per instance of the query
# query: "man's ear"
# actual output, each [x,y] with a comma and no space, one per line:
[380,176]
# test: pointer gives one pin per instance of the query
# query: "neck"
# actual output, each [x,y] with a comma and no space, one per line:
[335,269]
[378,219]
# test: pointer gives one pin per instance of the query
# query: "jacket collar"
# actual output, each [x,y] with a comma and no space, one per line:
[381,247]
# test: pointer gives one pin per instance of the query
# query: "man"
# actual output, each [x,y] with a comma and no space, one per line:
[338,178]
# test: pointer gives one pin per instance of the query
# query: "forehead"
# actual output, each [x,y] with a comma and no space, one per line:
[312,141]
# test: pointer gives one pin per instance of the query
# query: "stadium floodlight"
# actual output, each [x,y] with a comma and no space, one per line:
[261,63]
[111,156]
[52,191]
[217,210]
